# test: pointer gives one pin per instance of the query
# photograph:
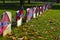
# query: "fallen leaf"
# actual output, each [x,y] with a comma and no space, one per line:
[47,24]
[52,27]
[45,32]
[25,33]
[35,33]
[21,38]
[24,29]
[25,38]
[40,37]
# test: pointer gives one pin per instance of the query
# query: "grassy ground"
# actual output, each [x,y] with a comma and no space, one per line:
[44,27]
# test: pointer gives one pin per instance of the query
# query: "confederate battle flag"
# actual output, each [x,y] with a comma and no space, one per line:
[19,14]
[5,20]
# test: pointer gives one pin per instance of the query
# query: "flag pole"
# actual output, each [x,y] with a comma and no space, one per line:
[21,4]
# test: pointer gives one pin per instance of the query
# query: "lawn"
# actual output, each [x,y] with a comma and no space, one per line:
[44,27]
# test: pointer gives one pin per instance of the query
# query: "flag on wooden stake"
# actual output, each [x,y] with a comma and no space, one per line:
[6,19]
[19,17]
[29,14]
[34,13]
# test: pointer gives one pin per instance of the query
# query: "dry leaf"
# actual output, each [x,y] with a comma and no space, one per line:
[20,38]
[24,29]
[39,36]
[25,33]
[35,32]
[14,38]
[25,38]
[46,32]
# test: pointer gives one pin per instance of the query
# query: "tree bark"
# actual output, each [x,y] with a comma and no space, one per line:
[3,1]
[28,1]
[4,4]
[57,1]
[21,3]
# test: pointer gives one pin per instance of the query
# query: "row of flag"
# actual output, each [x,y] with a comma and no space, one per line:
[36,11]
[33,12]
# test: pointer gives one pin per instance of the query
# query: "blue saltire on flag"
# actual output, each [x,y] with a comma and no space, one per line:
[21,15]
[18,14]
[5,23]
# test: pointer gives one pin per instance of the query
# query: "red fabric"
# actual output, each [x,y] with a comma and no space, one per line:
[41,9]
[21,11]
[3,28]
[17,18]
[28,11]
[5,19]
[1,31]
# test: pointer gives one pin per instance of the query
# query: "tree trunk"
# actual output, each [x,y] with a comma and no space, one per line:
[3,1]
[21,3]
[4,4]
[57,1]
[28,1]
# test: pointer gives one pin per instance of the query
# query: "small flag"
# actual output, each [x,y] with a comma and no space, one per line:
[34,13]
[19,17]
[5,20]
[29,14]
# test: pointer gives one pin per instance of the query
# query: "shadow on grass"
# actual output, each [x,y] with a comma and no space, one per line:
[16,6]
[56,7]
[14,24]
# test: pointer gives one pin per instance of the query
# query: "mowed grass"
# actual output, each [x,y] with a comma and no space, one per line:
[44,27]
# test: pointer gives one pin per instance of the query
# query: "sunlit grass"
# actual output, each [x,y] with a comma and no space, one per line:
[44,27]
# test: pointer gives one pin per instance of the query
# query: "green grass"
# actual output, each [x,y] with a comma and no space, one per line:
[46,25]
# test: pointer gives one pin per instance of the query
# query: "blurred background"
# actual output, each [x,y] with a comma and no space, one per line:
[16,4]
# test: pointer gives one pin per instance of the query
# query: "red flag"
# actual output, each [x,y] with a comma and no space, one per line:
[5,20]
[19,14]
